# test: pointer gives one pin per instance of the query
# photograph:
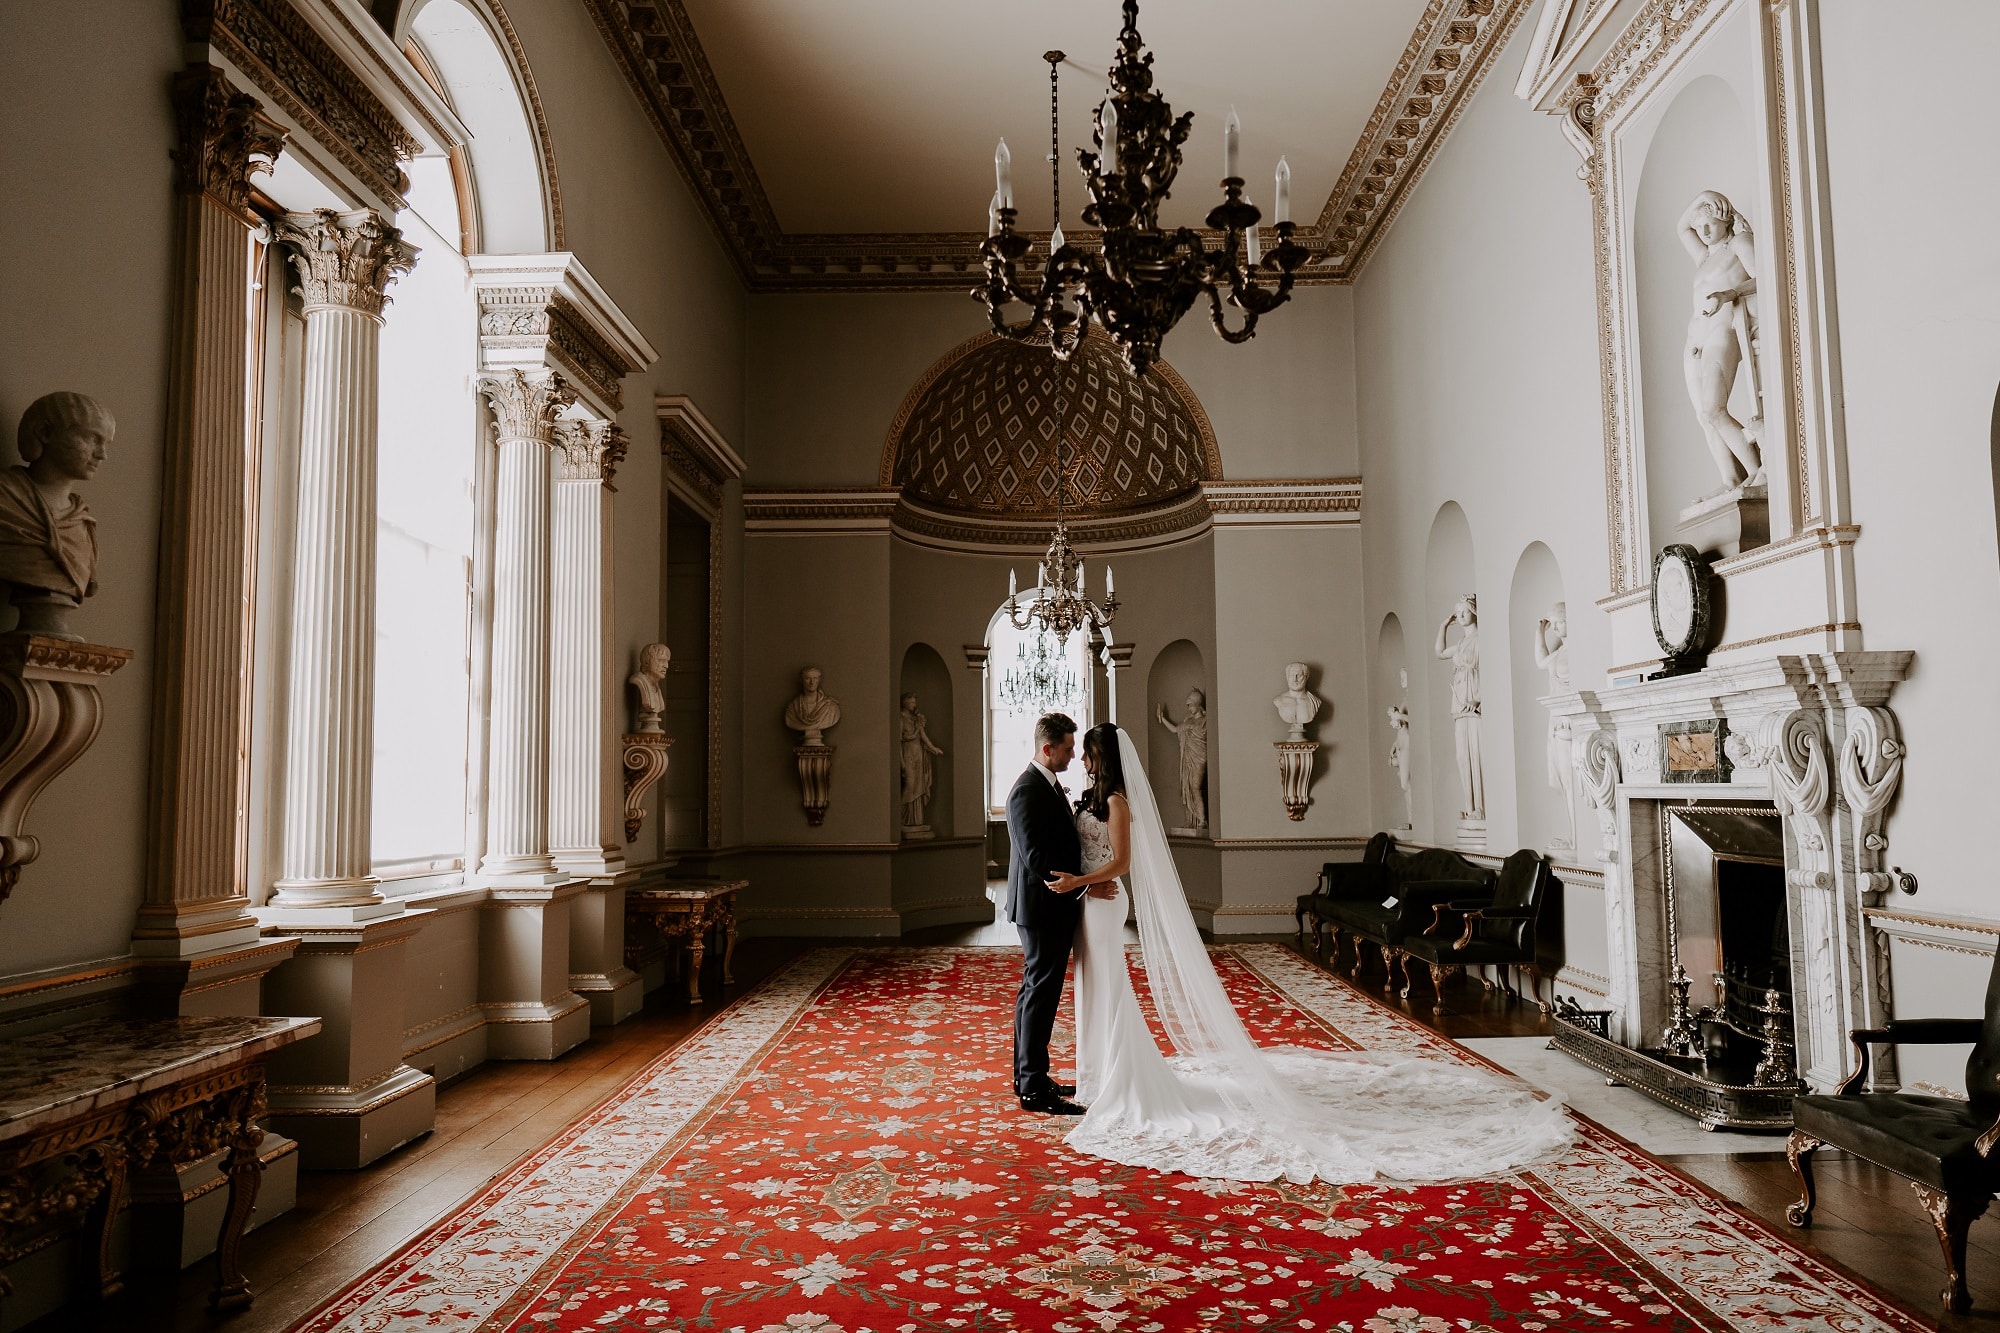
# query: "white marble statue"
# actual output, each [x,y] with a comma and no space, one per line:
[1192,730]
[48,540]
[1552,655]
[1722,333]
[649,680]
[1464,659]
[1298,706]
[1399,759]
[918,773]
[814,711]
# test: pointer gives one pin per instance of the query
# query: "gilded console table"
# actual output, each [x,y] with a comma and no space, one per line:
[686,910]
[83,1107]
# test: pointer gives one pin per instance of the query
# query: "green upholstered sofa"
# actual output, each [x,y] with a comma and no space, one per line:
[1383,901]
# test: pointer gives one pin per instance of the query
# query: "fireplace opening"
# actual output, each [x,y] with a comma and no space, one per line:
[1730,934]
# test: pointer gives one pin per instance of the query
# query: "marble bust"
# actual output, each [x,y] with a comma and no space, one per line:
[1298,706]
[48,540]
[649,680]
[814,711]
[1722,334]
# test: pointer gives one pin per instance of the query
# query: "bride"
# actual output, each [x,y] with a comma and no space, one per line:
[1224,1106]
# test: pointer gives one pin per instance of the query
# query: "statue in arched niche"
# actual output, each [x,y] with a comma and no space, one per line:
[1722,334]
[1464,659]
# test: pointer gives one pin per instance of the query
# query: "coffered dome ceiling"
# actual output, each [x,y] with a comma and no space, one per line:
[976,436]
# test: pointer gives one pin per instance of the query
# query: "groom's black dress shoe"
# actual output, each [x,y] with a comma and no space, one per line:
[1050,1102]
[1064,1089]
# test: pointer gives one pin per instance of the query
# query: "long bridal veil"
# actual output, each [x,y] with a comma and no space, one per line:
[1292,1112]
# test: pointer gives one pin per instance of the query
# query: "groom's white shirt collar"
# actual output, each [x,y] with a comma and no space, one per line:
[1049,773]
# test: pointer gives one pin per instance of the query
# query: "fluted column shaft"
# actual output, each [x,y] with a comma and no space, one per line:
[345,260]
[517,808]
[581,694]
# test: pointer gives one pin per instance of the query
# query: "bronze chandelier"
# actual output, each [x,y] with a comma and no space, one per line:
[1140,280]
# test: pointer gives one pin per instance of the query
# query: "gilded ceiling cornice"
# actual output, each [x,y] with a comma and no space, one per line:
[655,45]
[1448,55]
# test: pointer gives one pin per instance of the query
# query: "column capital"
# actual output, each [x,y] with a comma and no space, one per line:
[347,259]
[526,407]
[224,138]
[591,450]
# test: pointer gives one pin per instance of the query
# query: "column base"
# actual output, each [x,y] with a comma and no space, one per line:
[288,917]
[176,1216]
[613,997]
[342,1128]
[172,931]
[323,894]
[536,1030]
[522,879]
[589,862]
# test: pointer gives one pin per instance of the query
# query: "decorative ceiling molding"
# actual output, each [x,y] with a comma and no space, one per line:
[699,461]
[655,45]
[1258,504]
[1448,55]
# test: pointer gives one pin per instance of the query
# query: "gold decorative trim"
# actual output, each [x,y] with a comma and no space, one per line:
[656,48]
[1806,542]
[1968,925]
[1568,975]
[819,509]
[1835,628]
[1168,522]
[697,455]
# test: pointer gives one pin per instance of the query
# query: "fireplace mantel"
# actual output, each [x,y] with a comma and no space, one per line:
[1813,735]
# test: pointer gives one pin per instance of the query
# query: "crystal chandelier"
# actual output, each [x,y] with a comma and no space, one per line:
[1140,280]
[1039,684]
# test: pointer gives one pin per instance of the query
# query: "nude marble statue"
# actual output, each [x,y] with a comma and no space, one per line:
[649,681]
[1192,730]
[814,711]
[48,540]
[918,774]
[1464,659]
[1399,758]
[1552,655]
[1298,706]
[1722,333]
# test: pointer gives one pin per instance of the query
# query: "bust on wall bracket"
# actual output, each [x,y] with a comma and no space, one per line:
[1681,610]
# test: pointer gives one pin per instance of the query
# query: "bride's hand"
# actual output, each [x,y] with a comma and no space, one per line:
[1064,882]
[1103,891]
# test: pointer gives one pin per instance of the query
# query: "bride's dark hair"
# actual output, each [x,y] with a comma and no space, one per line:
[1101,741]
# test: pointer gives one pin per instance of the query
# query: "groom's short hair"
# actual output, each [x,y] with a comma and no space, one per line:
[1050,729]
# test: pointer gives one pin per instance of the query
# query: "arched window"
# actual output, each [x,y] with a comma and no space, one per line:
[1028,673]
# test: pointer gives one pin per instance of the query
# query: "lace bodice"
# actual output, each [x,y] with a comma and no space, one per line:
[1095,835]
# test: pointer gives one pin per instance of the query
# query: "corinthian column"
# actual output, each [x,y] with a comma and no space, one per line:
[345,263]
[517,800]
[582,762]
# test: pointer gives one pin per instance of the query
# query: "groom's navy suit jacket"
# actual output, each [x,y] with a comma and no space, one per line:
[1041,831]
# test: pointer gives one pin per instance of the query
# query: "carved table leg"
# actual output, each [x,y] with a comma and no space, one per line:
[697,949]
[728,923]
[1952,1215]
[245,1169]
[1799,1150]
[1399,960]
[103,1277]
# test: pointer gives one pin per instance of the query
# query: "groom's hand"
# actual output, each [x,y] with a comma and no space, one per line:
[1064,882]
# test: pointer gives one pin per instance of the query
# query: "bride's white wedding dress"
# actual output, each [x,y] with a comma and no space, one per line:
[1225,1107]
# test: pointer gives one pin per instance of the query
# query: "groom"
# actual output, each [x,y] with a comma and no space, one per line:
[1041,833]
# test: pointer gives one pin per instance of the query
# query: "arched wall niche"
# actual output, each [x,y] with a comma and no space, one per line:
[1448,576]
[1176,672]
[1387,687]
[472,48]
[925,675]
[1702,142]
[1538,802]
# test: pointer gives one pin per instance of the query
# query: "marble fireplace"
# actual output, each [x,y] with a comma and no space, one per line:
[1740,813]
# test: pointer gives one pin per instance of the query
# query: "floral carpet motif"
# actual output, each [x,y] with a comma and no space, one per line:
[839,1152]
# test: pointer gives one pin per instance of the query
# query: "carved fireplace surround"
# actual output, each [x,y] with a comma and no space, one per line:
[1813,735]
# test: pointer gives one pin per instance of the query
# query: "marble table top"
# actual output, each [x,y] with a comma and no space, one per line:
[72,1071]
[685,890]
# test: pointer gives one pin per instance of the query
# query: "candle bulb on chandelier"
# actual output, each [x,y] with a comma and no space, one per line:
[1010,585]
[1056,241]
[1107,120]
[1003,174]
[1250,239]
[1284,210]
[1232,129]
[1108,594]
[993,214]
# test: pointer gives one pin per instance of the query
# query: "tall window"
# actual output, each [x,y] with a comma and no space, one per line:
[1011,660]
[424,541]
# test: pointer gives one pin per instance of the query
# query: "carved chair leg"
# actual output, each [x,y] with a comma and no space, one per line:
[1535,982]
[1952,1215]
[1333,942]
[1300,934]
[1799,1150]
[1403,963]
[1440,973]
[1319,940]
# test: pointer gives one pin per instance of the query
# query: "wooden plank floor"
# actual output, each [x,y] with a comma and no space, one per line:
[1867,1222]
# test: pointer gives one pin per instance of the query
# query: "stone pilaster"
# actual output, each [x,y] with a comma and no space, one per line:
[525,410]
[583,729]
[195,901]
[345,263]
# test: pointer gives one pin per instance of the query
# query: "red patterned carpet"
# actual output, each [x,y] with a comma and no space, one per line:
[838,1152]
